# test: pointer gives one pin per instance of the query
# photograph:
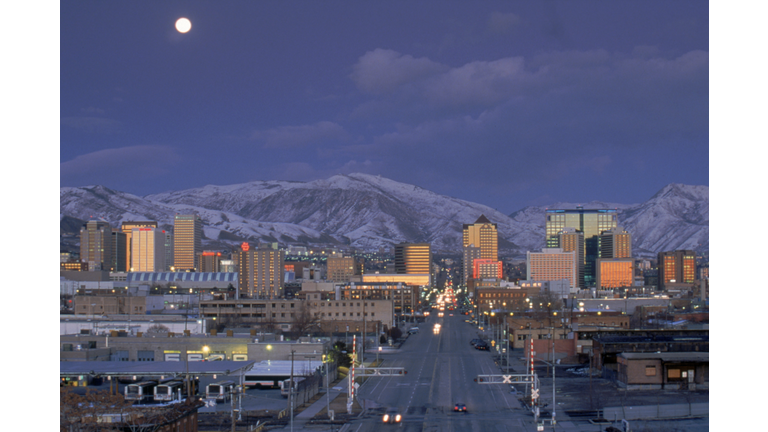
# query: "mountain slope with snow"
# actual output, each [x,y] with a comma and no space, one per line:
[365,211]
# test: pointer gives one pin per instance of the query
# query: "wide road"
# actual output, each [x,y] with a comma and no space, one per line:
[441,370]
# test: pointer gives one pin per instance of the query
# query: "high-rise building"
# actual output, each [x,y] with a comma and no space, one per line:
[590,222]
[676,267]
[342,268]
[413,258]
[571,240]
[96,245]
[469,255]
[482,234]
[615,243]
[126,228]
[261,272]
[552,264]
[148,250]
[187,241]
[119,249]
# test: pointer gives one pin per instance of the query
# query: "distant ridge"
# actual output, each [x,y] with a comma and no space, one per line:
[368,212]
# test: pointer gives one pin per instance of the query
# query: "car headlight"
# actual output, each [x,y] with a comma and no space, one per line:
[386,417]
[397,418]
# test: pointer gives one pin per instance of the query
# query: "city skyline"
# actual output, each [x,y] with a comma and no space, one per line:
[551,102]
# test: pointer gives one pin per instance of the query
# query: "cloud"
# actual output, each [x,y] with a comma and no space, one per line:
[502,23]
[301,136]
[381,70]
[480,82]
[92,124]
[136,161]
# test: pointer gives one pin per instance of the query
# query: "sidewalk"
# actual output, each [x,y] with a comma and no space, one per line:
[301,419]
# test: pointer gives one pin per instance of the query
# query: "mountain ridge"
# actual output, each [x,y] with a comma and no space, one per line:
[369,212]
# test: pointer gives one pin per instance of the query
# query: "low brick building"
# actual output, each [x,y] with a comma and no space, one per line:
[667,371]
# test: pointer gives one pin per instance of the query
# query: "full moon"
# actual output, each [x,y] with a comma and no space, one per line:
[183,25]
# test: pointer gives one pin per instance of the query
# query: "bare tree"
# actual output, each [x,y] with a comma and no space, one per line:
[304,320]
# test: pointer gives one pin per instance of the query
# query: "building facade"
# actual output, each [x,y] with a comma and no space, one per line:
[187,241]
[147,250]
[127,229]
[552,264]
[590,222]
[261,272]
[413,258]
[571,240]
[676,268]
[96,245]
[482,234]
[341,269]
[615,243]
[615,273]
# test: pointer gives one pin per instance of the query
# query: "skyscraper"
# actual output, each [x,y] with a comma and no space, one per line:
[148,250]
[261,272]
[126,228]
[187,241]
[469,255]
[482,235]
[615,243]
[571,240]
[96,245]
[590,222]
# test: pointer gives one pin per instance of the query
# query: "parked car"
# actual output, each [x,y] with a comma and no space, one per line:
[474,342]
[482,345]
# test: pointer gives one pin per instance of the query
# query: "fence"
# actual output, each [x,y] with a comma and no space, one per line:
[670,411]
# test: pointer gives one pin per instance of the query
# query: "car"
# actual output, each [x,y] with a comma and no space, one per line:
[413,330]
[474,342]
[392,416]
[460,407]
[481,346]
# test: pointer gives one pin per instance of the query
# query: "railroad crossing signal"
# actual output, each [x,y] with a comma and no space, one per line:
[382,371]
[535,394]
[505,379]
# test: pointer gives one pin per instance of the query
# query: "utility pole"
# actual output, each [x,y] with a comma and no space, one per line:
[291,389]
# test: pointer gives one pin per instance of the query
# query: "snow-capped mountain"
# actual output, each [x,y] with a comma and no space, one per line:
[365,211]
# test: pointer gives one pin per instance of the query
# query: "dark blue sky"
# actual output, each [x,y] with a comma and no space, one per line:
[499,102]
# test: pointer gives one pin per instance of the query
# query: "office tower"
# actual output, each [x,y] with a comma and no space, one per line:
[487,269]
[148,250]
[96,245]
[209,262]
[261,272]
[469,255]
[571,240]
[590,222]
[126,228]
[168,250]
[119,249]
[341,269]
[552,264]
[615,243]
[413,258]
[187,241]
[615,272]
[676,267]
[482,234]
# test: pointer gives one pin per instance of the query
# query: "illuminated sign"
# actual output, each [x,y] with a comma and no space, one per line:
[245,246]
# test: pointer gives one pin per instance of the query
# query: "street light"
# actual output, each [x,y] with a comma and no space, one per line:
[205,351]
